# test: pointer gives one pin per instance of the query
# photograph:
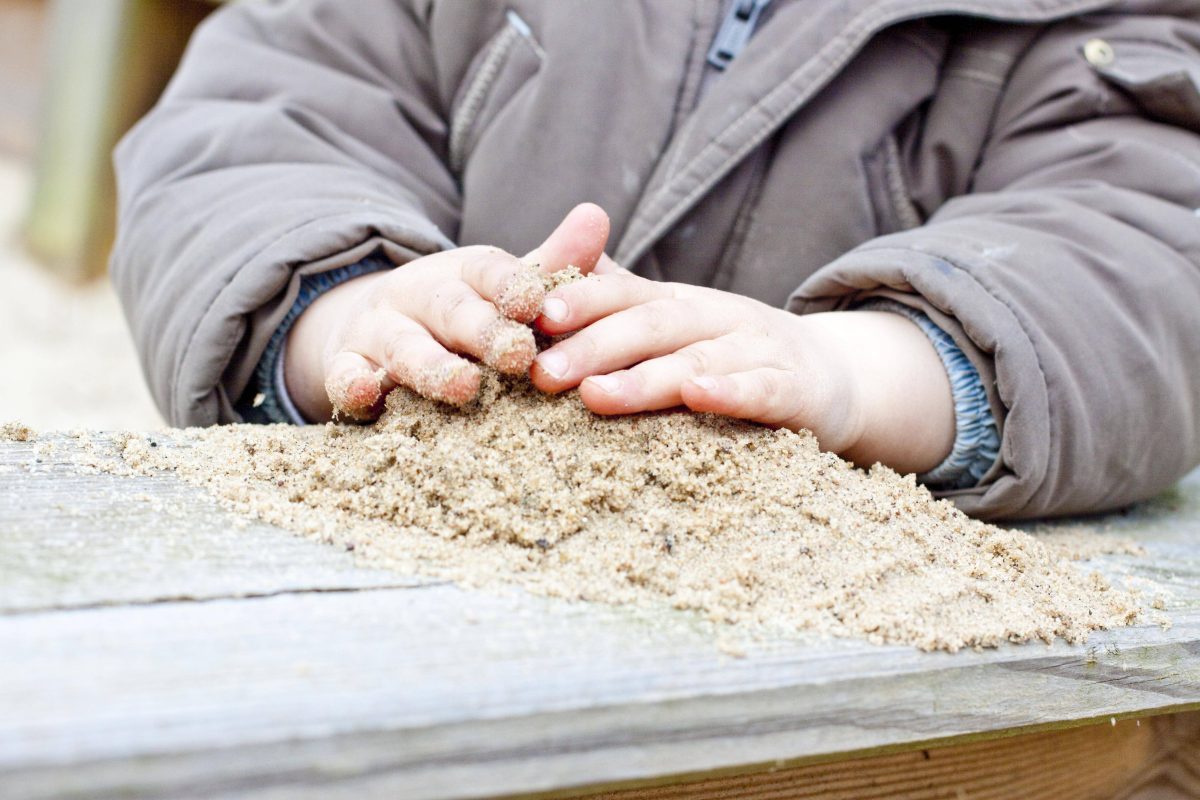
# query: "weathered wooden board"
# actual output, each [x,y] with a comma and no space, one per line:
[437,692]
[1153,759]
[434,691]
[70,539]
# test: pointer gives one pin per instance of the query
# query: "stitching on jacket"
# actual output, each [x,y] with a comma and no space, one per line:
[990,55]
[976,75]
[172,392]
[1154,43]
[462,125]
[473,100]
[679,131]
[893,169]
[934,55]
[833,52]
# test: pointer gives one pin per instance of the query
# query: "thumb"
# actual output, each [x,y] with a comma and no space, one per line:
[579,239]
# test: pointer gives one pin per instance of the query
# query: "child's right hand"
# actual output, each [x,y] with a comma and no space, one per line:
[406,327]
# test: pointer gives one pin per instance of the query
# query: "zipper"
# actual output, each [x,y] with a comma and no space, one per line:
[735,31]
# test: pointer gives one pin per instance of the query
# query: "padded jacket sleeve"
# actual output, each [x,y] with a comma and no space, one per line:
[297,137]
[1072,267]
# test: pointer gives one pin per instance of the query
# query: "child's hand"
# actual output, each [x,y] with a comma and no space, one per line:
[869,384]
[361,339]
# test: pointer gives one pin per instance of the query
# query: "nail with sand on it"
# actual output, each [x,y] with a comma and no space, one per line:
[452,381]
[521,299]
[355,395]
[508,347]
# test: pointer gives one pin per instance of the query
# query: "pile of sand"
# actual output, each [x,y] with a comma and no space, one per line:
[745,525]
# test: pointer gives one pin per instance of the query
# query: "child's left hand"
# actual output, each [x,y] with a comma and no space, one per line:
[868,384]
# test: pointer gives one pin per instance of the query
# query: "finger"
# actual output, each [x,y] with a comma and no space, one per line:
[356,386]
[571,307]
[414,359]
[466,323]
[606,266]
[512,286]
[656,384]
[579,240]
[768,395]
[628,337]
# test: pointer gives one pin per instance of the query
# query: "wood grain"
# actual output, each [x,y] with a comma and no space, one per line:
[275,687]
[1150,759]
[70,539]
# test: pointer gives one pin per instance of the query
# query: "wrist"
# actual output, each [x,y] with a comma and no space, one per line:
[890,396]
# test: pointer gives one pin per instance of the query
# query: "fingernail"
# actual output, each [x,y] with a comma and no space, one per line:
[553,364]
[705,383]
[555,309]
[607,383]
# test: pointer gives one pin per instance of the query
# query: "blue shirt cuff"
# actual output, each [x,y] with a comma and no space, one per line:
[976,435]
[270,401]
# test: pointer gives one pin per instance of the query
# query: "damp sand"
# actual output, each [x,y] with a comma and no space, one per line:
[746,526]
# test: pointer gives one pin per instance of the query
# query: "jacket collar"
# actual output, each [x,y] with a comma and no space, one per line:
[787,62]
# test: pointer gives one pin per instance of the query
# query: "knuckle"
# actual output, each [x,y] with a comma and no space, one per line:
[766,388]
[583,349]
[397,350]
[448,301]
[654,319]
[695,360]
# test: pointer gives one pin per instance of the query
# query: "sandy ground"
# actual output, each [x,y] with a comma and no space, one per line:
[66,359]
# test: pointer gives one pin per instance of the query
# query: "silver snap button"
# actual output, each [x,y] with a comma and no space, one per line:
[1099,53]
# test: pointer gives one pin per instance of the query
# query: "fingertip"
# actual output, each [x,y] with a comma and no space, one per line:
[594,220]
[555,309]
[522,297]
[579,239]
[356,393]
[459,383]
[544,381]
[555,318]
[606,266]
[704,393]
[606,395]
[509,347]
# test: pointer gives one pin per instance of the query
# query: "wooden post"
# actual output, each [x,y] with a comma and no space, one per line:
[109,61]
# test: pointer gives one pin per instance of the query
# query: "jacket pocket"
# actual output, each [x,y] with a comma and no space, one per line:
[887,189]
[506,63]
[1162,79]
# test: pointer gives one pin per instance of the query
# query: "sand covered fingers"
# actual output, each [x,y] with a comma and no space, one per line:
[356,387]
[464,322]
[387,349]
[412,326]
[513,286]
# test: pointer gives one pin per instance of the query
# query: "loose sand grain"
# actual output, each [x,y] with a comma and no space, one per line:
[747,526]
[16,432]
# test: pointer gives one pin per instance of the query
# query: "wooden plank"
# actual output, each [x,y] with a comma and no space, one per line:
[72,539]
[1154,759]
[439,692]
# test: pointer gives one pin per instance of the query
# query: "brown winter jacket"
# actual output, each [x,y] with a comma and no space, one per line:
[1025,171]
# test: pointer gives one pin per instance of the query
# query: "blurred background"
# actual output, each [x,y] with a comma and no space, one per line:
[74,75]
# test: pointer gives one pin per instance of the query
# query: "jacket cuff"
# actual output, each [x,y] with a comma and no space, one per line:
[268,400]
[976,436]
[932,276]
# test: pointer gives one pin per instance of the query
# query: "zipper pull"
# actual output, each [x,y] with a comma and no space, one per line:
[735,31]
